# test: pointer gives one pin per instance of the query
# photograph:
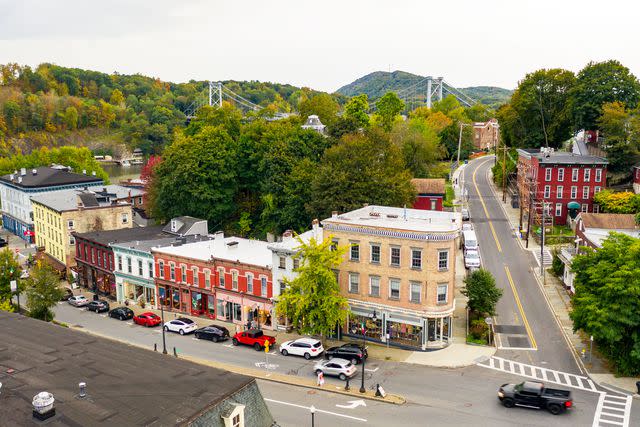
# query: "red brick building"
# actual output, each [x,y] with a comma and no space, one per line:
[431,193]
[485,134]
[566,182]
[223,278]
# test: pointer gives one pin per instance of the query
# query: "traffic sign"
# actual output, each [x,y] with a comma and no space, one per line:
[14,286]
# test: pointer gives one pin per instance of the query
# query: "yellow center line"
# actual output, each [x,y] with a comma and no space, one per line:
[486,212]
[524,318]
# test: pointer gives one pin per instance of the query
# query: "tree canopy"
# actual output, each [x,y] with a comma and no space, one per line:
[9,270]
[606,303]
[43,291]
[480,288]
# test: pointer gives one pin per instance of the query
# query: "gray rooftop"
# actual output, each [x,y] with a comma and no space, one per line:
[122,235]
[168,240]
[49,177]
[126,385]
[562,157]
[67,200]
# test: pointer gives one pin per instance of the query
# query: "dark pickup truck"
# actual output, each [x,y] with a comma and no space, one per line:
[532,394]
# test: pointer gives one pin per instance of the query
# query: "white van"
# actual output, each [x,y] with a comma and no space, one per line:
[469,240]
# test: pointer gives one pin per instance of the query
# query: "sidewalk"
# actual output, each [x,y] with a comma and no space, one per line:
[560,302]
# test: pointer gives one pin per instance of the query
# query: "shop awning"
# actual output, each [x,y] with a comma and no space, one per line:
[573,205]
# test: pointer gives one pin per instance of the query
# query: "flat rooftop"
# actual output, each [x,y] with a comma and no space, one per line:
[399,219]
[562,157]
[67,200]
[126,385]
[46,176]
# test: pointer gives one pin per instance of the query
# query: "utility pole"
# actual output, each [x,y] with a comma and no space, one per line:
[544,208]
[529,216]
[504,175]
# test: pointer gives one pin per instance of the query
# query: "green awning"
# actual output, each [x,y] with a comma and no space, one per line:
[573,205]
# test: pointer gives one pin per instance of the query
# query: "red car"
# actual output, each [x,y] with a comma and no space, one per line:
[147,319]
[254,338]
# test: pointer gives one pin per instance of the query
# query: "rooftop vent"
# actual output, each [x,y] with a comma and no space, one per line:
[23,171]
[34,171]
[11,177]
[43,405]
[83,389]
[84,171]
[392,216]
[19,180]
[93,173]
[372,213]
[233,244]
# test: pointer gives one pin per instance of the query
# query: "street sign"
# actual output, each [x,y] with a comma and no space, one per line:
[488,320]
[14,286]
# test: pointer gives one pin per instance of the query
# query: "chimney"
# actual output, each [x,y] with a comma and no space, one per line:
[271,238]
[287,236]
[104,189]
[315,226]
[11,177]
[23,171]
[19,180]
[334,214]
[34,171]
[218,241]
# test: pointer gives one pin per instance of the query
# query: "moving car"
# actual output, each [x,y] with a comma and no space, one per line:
[213,333]
[533,394]
[181,325]
[465,214]
[350,351]
[255,338]
[307,347]
[471,259]
[337,367]
[78,301]
[148,319]
[121,313]
[98,306]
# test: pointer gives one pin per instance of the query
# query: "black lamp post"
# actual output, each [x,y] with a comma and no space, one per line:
[164,343]
[374,317]
[313,415]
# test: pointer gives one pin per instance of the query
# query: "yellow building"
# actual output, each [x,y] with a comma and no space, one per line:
[57,215]
[400,265]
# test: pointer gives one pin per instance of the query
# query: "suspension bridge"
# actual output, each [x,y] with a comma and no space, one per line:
[421,93]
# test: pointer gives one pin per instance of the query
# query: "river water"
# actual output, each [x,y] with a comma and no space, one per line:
[119,173]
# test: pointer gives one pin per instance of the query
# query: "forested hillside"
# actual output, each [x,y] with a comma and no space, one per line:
[52,106]
[376,84]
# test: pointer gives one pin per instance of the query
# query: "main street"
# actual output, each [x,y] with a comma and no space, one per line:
[443,396]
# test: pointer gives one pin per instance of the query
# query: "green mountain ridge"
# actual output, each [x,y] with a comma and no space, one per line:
[376,84]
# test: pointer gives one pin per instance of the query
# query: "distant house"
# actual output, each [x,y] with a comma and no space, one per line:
[485,134]
[591,230]
[431,193]
[636,179]
[313,122]
[125,385]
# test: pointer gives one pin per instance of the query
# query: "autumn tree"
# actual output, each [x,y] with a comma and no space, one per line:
[597,84]
[312,301]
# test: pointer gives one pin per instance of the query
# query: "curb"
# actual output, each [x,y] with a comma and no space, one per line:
[257,374]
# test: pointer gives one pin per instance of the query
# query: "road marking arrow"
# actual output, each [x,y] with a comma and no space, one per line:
[372,370]
[353,404]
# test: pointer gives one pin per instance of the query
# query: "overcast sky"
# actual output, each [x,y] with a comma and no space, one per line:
[322,44]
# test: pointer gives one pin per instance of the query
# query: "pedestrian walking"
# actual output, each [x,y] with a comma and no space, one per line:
[320,379]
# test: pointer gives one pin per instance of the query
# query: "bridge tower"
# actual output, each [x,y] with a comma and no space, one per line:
[215,94]
[431,91]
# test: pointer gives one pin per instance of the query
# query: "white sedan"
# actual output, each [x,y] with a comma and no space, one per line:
[306,347]
[78,301]
[471,258]
[181,325]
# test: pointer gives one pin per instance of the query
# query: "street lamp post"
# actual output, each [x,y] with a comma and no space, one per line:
[313,415]
[460,140]
[164,342]
[374,317]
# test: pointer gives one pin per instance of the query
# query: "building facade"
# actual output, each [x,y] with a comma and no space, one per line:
[636,179]
[400,266]
[58,215]
[222,278]
[564,182]
[485,134]
[285,261]
[431,193]
[17,189]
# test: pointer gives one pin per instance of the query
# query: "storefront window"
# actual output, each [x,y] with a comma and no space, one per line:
[162,296]
[237,312]
[176,299]
[402,333]
[373,329]
[196,302]
[223,314]
[211,306]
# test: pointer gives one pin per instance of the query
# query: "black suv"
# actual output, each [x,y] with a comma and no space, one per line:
[212,332]
[3,242]
[122,313]
[352,352]
[98,306]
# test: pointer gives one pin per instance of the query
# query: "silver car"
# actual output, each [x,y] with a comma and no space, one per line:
[337,367]
[472,258]
[78,301]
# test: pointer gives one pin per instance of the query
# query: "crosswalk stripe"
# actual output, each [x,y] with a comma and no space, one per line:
[616,397]
[611,415]
[616,403]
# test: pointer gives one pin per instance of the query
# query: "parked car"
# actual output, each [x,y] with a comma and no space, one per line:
[121,313]
[78,300]
[533,394]
[98,306]
[306,347]
[3,242]
[181,325]
[147,319]
[471,258]
[467,226]
[469,240]
[66,294]
[465,214]
[350,351]
[213,333]
[336,367]
[253,337]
